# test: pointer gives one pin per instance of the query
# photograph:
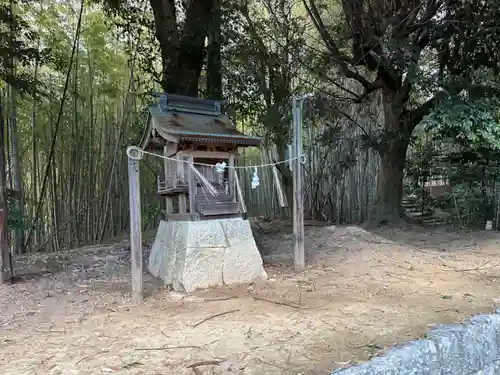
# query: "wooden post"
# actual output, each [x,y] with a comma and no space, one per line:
[5,255]
[192,186]
[298,198]
[135,226]
[182,177]
[231,171]
[178,171]
[169,203]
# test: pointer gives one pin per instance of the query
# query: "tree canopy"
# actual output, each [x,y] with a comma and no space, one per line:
[416,54]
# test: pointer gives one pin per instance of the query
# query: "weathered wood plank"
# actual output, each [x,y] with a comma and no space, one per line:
[215,209]
[207,154]
[231,171]
[298,206]
[169,205]
[240,193]
[279,189]
[135,229]
[192,186]
[182,217]
[168,190]
[5,275]
[181,176]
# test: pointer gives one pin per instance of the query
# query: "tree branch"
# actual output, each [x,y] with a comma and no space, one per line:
[263,52]
[341,60]
[414,117]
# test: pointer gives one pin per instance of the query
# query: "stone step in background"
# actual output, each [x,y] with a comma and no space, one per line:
[413,208]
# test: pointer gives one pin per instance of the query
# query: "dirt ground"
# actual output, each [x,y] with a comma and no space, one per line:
[362,292]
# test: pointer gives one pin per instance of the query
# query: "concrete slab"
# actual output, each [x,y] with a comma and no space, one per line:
[190,255]
[470,348]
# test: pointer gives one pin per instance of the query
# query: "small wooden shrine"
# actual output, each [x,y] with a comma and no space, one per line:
[201,143]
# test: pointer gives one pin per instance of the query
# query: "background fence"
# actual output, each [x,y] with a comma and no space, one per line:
[339,173]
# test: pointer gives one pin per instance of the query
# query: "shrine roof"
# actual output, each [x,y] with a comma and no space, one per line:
[180,118]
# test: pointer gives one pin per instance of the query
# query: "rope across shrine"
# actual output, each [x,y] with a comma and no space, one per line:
[136,153]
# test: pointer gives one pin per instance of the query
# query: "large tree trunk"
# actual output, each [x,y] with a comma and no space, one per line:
[387,205]
[214,62]
[182,51]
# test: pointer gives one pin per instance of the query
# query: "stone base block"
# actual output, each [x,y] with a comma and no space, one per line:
[192,255]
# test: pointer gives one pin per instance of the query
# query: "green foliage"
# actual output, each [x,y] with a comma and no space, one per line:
[419,164]
[17,47]
[15,218]
[86,184]
[150,213]
[469,203]
[134,22]
[462,144]
[473,124]
[264,51]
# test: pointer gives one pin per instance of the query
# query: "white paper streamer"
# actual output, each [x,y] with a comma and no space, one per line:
[255,179]
[220,167]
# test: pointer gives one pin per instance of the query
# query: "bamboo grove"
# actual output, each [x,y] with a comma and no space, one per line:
[75,77]
[64,138]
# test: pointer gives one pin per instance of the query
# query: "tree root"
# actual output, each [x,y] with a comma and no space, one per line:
[380,216]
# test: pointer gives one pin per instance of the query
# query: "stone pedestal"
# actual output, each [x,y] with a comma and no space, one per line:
[192,255]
